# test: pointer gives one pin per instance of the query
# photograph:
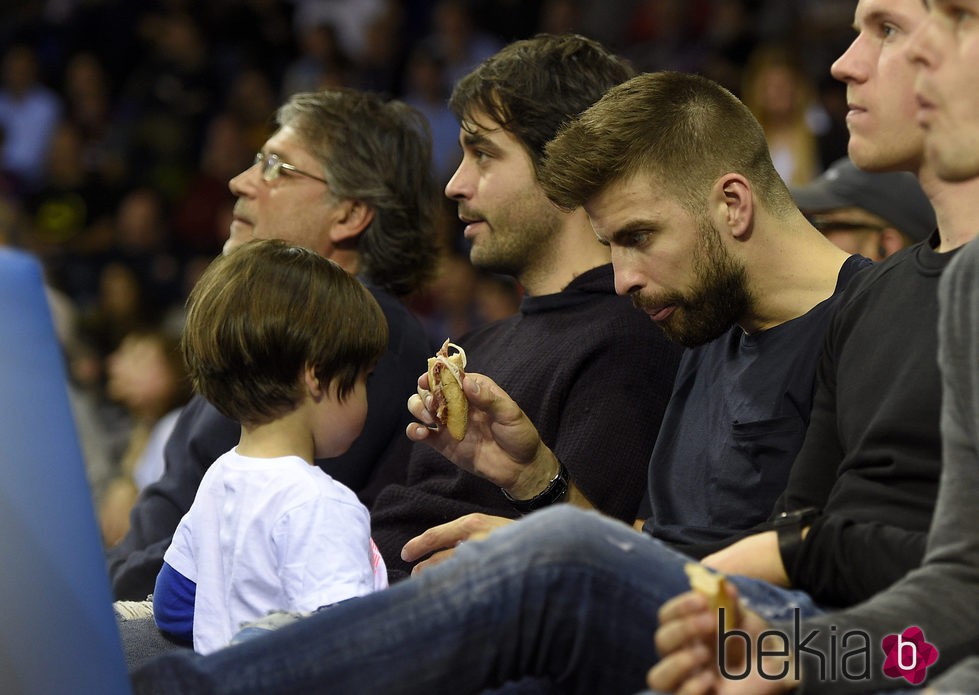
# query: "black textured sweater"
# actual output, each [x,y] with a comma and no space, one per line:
[592,373]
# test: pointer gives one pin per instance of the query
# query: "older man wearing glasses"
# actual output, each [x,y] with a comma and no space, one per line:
[347,175]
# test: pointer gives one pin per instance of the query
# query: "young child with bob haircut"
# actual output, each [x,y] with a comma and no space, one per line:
[281,340]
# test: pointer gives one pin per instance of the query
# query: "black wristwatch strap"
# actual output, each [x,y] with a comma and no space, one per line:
[556,491]
[788,526]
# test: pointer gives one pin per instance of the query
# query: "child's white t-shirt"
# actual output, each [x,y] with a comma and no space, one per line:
[271,534]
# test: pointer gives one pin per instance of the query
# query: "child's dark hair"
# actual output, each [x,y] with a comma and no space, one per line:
[260,314]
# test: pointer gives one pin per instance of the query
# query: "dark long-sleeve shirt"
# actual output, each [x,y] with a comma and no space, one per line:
[941,597]
[872,454]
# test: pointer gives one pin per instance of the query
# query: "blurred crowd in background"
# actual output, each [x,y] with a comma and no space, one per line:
[122,121]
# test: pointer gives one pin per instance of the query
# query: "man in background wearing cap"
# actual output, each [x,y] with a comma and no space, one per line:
[874,214]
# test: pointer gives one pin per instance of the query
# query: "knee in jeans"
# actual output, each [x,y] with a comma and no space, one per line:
[568,532]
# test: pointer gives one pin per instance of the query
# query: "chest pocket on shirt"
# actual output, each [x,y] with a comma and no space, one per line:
[767,449]
[771,445]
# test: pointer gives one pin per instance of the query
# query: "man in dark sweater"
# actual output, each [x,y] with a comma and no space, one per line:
[346,175]
[576,356]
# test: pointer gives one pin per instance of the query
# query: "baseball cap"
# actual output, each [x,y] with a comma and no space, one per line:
[895,196]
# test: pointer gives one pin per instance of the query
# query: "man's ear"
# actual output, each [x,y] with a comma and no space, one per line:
[732,198]
[354,217]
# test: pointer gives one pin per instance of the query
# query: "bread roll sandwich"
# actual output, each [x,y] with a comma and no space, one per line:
[711,585]
[445,373]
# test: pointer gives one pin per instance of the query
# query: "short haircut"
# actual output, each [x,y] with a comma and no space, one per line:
[378,152]
[531,87]
[683,130]
[263,312]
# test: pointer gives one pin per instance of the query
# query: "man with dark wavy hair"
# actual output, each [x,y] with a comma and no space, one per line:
[572,380]
[346,174]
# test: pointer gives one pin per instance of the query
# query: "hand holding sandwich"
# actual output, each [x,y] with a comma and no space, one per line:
[687,643]
[500,442]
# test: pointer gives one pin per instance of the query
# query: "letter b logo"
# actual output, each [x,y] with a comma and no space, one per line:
[904,648]
[908,655]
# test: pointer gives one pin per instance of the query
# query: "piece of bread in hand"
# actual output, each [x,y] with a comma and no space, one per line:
[711,585]
[445,374]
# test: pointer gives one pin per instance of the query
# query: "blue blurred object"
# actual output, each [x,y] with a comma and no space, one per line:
[58,633]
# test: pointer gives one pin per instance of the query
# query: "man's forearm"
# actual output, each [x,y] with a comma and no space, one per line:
[754,556]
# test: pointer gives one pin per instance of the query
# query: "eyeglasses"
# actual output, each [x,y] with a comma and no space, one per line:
[273,166]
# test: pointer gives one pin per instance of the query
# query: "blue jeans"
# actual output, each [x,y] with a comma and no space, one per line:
[564,601]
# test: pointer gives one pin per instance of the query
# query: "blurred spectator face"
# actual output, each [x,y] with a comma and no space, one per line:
[119,292]
[779,95]
[86,88]
[225,148]
[180,40]
[139,220]
[251,100]
[852,229]
[19,70]
[425,77]
[776,88]
[142,376]
[559,17]
[65,157]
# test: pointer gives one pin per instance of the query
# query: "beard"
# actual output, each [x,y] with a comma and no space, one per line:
[717,301]
[520,237]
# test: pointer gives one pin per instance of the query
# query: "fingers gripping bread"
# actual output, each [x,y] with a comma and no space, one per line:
[711,585]
[445,374]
